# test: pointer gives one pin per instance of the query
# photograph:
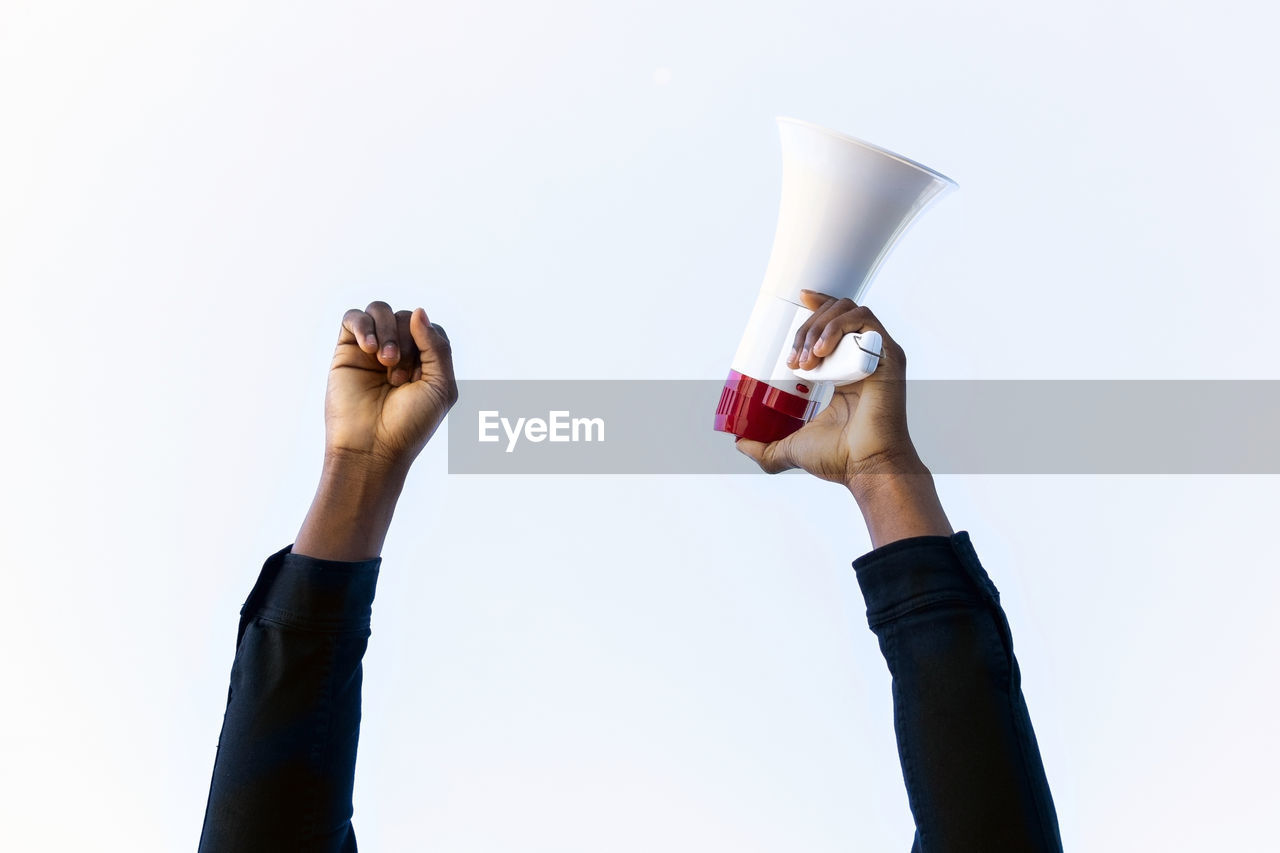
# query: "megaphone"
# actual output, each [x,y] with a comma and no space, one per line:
[845,203]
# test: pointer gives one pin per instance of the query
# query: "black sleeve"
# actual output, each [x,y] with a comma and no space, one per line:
[286,757]
[972,768]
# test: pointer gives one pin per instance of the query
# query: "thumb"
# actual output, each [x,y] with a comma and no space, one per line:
[771,457]
[434,351]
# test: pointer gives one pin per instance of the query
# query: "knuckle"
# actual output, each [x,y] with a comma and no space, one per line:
[769,459]
[817,330]
[378,305]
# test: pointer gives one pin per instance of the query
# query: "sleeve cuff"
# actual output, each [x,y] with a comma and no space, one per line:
[919,572]
[306,592]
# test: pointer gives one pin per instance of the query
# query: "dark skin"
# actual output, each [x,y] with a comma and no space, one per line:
[860,440]
[293,709]
[391,383]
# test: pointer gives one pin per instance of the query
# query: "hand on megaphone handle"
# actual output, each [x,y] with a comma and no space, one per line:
[863,431]
[831,320]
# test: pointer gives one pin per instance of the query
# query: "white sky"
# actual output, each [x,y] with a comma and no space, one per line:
[192,194]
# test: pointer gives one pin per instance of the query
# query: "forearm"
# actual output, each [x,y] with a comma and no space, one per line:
[351,511]
[285,767]
[898,499]
[285,764]
[969,756]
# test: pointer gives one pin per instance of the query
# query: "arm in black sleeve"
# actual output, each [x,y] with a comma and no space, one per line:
[286,757]
[975,781]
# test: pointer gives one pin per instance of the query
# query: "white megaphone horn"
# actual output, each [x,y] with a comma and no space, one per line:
[844,204]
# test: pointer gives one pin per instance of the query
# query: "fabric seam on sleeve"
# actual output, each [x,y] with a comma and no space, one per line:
[920,602]
[297,622]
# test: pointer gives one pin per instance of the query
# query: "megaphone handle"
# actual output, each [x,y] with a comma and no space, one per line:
[856,356]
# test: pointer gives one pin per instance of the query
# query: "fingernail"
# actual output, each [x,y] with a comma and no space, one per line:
[792,357]
[370,340]
[804,356]
[819,343]
[389,351]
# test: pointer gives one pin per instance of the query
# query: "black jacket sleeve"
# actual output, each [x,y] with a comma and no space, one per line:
[285,763]
[975,781]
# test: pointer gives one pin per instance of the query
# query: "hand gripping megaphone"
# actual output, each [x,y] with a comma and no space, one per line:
[844,204]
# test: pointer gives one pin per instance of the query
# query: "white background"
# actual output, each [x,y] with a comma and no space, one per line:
[191,195]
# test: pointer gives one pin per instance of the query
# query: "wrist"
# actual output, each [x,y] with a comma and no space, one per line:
[363,465]
[884,469]
[897,497]
[352,509]
[361,482]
